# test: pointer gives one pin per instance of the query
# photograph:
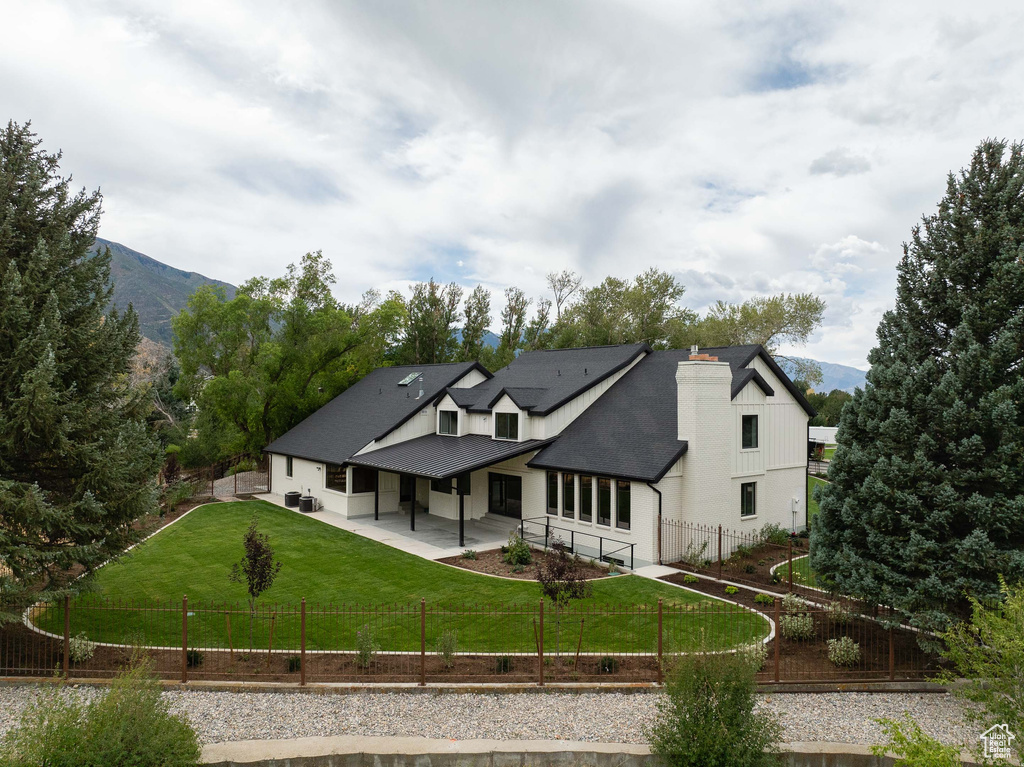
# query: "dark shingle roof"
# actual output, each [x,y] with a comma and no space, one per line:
[367,410]
[631,431]
[438,456]
[542,381]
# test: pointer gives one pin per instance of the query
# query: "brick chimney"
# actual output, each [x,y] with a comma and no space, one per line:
[705,421]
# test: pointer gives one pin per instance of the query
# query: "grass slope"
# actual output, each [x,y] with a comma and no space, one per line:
[326,565]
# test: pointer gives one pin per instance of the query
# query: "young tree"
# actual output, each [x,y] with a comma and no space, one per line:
[562,580]
[926,500]
[988,653]
[257,568]
[537,334]
[477,313]
[77,464]
[708,714]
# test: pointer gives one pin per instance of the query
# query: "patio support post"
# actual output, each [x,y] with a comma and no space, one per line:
[462,517]
[376,497]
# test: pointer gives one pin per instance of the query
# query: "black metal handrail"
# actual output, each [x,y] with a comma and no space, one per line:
[602,554]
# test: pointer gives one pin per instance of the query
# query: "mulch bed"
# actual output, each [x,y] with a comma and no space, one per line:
[491,563]
[807,660]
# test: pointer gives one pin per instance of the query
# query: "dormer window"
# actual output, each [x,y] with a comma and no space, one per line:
[506,426]
[448,422]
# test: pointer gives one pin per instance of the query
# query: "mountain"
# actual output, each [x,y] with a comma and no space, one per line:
[156,290]
[833,376]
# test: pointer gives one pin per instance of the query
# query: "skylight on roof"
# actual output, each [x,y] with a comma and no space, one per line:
[409,379]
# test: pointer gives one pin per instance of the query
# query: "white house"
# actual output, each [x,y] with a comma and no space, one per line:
[598,443]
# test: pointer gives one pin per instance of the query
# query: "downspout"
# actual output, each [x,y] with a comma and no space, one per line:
[807,479]
[659,518]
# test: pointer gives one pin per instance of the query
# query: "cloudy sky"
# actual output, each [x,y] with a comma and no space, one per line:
[749,148]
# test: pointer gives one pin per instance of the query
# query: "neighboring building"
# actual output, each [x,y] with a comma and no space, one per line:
[596,441]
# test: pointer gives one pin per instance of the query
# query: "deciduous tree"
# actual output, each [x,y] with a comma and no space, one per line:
[477,314]
[257,568]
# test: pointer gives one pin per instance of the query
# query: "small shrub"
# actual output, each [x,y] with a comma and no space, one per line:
[774,534]
[775,578]
[612,567]
[691,579]
[915,748]
[503,664]
[764,599]
[517,568]
[791,603]
[294,664]
[80,649]
[709,715]
[609,665]
[742,552]
[469,554]
[447,645]
[760,563]
[130,724]
[366,646]
[731,590]
[175,493]
[756,654]
[193,658]
[749,569]
[518,552]
[843,651]
[238,468]
[837,613]
[694,554]
[797,626]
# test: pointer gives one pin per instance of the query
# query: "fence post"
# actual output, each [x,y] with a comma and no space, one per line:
[660,675]
[719,552]
[67,637]
[892,656]
[778,635]
[423,642]
[540,648]
[791,565]
[184,639]
[302,645]
[235,475]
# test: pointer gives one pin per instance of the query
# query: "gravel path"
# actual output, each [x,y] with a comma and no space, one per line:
[608,717]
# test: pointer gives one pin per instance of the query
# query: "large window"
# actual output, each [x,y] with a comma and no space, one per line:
[336,479]
[586,498]
[363,480]
[552,492]
[749,432]
[506,425]
[622,504]
[569,495]
[288,466]
[604,501]
[748,499]
[449,422]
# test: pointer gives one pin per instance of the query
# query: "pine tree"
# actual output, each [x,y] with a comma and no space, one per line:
[77,464]
[926,502]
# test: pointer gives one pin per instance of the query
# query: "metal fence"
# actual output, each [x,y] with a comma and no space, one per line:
[437,643]
[239,475]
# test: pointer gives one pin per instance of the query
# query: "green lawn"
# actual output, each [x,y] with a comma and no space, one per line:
[368,584]
[812,505]
[829,453]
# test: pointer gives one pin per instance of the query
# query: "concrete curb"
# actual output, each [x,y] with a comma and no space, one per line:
[367,751]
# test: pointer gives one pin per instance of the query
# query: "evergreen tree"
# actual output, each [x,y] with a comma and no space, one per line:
[77,465]
[926,502]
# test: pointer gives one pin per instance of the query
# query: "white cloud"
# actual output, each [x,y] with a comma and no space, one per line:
[745,147]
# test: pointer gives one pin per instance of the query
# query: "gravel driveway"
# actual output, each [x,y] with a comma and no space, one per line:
[608,717]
